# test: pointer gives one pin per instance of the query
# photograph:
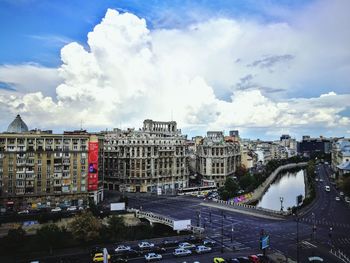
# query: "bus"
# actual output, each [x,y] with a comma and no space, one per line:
[197,190]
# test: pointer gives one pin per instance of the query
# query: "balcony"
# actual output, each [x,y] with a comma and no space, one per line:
[20,163]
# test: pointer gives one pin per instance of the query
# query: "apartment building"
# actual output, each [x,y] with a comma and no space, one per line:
[216,158]
[341,155]
[41,168]
[152,159]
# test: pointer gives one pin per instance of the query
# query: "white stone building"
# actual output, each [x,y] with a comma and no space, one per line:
[216,158]
[152,159]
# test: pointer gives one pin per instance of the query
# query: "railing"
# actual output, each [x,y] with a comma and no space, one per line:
[157,218]
[269,211]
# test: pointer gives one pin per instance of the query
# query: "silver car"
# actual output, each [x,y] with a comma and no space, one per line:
[153,257]
[180,252]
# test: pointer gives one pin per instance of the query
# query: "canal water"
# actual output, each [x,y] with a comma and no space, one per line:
[287,185]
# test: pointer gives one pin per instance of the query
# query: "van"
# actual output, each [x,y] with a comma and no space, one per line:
[327,188]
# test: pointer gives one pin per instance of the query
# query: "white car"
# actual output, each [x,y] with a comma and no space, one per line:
[202,249]
[337,198]
[122,248]
[23,212]
[56,209]
[186,245]
[341,194]
[321,180]
[180,252]
[145,245]
[72,208]
[347,199]
[153,256]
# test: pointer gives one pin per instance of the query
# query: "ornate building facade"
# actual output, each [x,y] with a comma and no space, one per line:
[216,158]
[152,159]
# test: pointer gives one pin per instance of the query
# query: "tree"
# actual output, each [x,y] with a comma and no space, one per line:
[229,189]
[346,186]
[85,227]
[247,182]
[115,227]
[14,238]
[51,236]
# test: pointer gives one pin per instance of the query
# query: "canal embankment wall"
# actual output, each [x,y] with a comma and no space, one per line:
[259,192]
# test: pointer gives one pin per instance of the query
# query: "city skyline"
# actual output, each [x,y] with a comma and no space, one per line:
[206,66]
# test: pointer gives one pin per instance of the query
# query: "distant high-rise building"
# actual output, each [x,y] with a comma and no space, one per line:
[234,133]
[309,146]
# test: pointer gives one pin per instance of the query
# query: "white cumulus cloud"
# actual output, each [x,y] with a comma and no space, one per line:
[218,74]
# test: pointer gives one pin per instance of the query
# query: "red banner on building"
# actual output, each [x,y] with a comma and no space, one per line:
[93,166]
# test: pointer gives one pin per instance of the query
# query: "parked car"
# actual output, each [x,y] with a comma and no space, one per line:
[186,245]
[193,239]
[72,208]
[122,248]
[153,257]
[254,259]
[118,259]
[209,243]
[315,259]
[341,194]
[203,249]
[56,209]
[180,252]
[96,250]
[23,212]
[170,243]
[145,245]
[219,260]
[337,198]
[262,258]
[99,257]
[243,260]
[347,199]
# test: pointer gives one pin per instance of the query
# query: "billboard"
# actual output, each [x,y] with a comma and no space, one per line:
[117,206]
[264,242]
[93,166]
[181,224]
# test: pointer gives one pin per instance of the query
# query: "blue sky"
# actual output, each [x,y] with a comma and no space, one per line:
[263,67]
[36,30]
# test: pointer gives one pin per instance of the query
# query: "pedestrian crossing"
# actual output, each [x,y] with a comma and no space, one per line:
[324,223]
[342,241]
[235,245]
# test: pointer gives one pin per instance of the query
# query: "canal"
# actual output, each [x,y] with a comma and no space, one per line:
[288,185]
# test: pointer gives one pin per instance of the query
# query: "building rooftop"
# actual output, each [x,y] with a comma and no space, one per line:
[17,125]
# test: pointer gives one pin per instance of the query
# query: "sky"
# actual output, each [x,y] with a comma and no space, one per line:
[264,67]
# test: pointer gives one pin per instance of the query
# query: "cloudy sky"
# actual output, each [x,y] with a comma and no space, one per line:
[263,68]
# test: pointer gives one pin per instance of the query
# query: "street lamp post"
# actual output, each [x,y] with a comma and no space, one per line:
[330,235]
[222,231]
[232,233]
[313,226]
[281,200]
